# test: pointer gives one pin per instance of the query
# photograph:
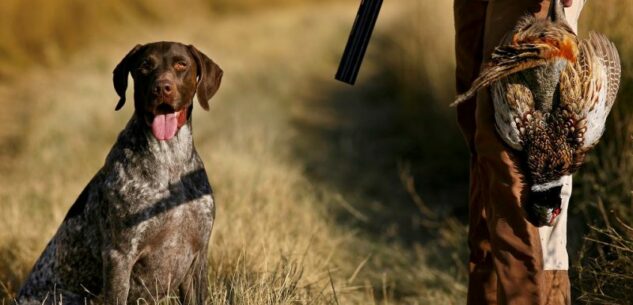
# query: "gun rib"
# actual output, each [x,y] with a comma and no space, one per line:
[358,41]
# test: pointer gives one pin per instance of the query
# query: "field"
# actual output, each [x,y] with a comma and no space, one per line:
[327,194]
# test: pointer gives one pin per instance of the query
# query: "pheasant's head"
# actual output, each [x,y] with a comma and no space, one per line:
[544,202]
[548,159]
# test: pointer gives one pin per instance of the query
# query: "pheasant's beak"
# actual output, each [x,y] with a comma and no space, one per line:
[542,216]
[543,206]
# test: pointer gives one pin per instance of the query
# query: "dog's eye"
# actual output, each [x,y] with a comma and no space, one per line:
[146,64]
[181,65]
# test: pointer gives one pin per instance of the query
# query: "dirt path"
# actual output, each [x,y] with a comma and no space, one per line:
[305,169]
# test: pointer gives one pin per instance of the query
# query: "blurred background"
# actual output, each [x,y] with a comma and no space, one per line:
[326,193]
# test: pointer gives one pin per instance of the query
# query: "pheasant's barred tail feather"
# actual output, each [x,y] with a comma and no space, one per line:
[592,85]
[608,54]
[507,60]
[598,56]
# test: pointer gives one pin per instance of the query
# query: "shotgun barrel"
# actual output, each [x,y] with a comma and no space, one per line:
[358,40]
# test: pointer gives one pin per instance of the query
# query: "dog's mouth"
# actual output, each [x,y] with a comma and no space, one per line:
[166,122]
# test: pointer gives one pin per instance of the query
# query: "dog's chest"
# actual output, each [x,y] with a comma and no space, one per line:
[158,205]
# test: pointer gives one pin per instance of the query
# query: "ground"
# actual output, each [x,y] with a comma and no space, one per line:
[326,193]
[307,171]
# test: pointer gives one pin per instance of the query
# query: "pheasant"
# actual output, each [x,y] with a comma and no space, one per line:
[551,94]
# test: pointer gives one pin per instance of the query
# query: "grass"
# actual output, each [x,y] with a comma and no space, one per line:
[327,194]
[44,33]
[282,235]
[604,190]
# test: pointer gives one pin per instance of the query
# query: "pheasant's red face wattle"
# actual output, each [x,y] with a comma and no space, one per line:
[555,214]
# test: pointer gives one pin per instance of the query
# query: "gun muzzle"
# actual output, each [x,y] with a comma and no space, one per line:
[358,40]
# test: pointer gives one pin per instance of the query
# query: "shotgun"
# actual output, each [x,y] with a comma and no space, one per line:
[358,40]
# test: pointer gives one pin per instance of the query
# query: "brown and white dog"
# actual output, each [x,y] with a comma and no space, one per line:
[140,228]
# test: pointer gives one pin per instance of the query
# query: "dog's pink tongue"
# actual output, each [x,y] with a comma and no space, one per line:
[164,126]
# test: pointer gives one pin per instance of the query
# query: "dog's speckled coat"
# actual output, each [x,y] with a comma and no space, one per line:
[140,228]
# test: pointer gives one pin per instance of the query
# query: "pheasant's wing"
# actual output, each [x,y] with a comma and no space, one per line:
[588,90]
[507,60]
[514,110]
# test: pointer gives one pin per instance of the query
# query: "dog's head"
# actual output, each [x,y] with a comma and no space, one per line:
[166,76]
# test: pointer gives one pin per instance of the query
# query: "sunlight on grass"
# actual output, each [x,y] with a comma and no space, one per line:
[327,194]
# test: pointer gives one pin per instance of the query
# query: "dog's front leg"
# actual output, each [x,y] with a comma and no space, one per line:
[117,267]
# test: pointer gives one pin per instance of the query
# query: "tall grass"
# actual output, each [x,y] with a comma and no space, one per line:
[282,236]
[604,192]
[601,231]
[241,6]
[326,194]
[44,32]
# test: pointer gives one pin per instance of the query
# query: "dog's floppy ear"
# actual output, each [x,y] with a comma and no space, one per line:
[209,77]
[119,75]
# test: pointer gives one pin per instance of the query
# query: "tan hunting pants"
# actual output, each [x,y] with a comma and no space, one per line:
[511,261]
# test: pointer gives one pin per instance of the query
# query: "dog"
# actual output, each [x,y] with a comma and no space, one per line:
[140,229]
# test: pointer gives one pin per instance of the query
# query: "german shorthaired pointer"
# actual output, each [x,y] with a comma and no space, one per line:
[140,228]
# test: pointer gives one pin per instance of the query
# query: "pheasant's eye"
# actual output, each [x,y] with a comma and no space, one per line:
[180,66]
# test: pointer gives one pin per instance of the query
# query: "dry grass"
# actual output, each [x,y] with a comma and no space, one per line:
[246,6]
[326,194]
[282,236]
[45,32]
[604,192]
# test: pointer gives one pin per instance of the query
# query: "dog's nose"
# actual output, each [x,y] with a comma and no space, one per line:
[163,87]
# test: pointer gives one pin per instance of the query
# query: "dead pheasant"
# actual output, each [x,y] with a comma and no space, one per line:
[552,95]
